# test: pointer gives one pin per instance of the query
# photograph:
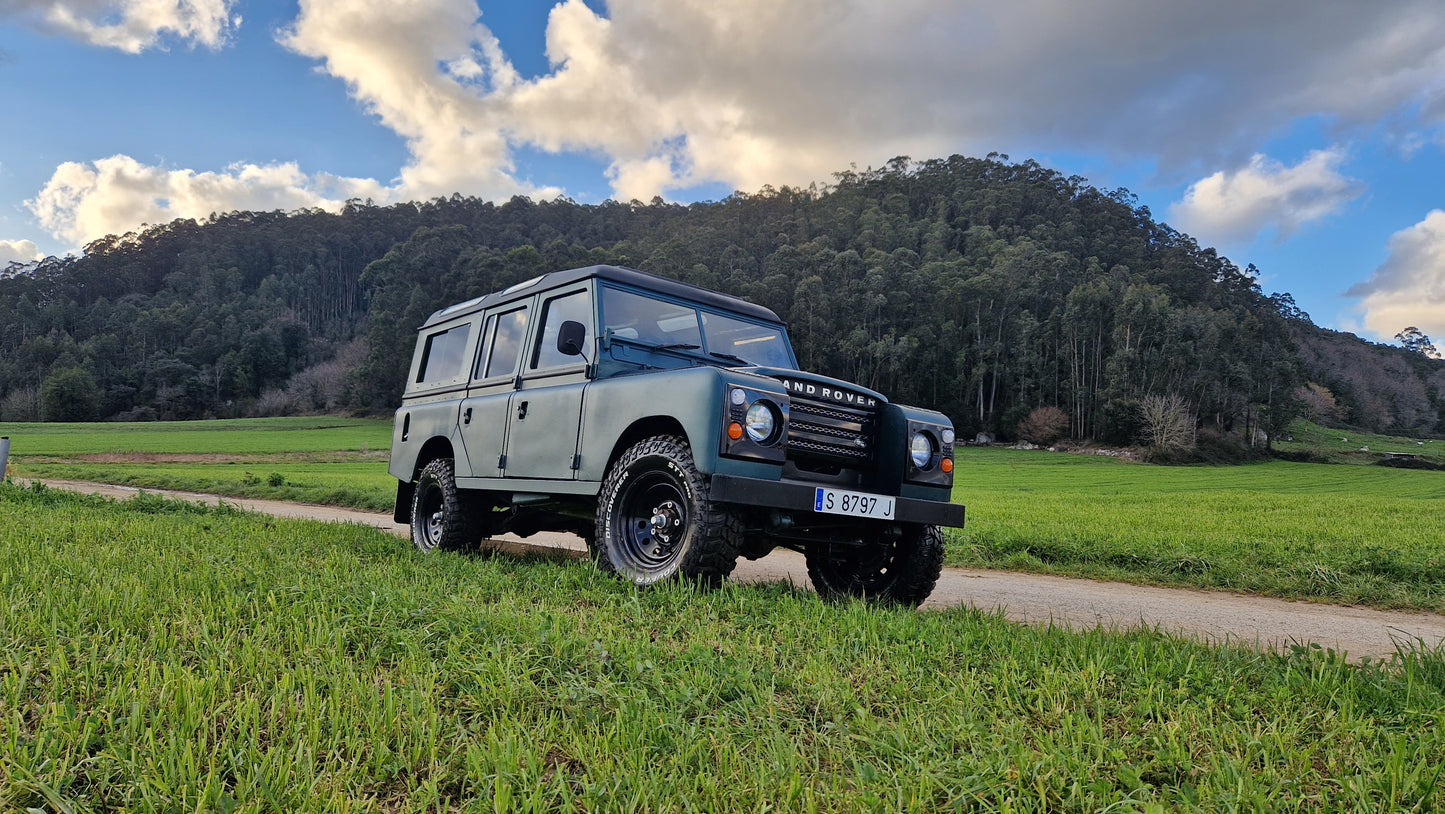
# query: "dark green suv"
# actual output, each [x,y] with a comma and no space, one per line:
[669,426]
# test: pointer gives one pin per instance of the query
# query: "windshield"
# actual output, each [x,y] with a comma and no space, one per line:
[679,326]
[758,344]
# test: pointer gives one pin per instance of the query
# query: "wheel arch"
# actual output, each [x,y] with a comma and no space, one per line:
[436,447]
[644,428]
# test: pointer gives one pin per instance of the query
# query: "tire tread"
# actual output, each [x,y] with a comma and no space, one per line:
[713,554]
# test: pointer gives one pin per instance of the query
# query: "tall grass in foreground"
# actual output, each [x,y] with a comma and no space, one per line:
[157,656]
[1350,534]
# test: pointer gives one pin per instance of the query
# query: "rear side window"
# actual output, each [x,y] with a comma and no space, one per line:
[444,355]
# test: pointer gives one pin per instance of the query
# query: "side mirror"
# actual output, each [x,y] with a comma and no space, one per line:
[570,338]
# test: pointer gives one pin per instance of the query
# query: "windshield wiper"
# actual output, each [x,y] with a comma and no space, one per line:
[729,357]
[676,346]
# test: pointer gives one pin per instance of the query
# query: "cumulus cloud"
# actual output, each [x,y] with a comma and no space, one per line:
[752,92]
[424,68]
[1409,287]
[677,93]
[130,25]
[1234,207]
[18,251]
[85,201]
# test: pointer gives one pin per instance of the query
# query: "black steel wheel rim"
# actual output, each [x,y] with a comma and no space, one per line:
[651,521]
[865,570]
[429,515]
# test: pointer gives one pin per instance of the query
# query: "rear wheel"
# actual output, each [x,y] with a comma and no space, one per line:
[444,517]
[897,571]
[655,520]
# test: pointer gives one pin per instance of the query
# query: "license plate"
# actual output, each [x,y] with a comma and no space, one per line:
[853,504]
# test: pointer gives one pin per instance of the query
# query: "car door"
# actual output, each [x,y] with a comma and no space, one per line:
[546,408]
[484,412]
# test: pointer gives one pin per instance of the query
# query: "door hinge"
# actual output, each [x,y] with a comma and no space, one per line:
[576,462]
[502,462]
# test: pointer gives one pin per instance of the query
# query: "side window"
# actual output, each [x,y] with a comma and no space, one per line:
[576,307]
[506,338]
[489,333]
[443,355]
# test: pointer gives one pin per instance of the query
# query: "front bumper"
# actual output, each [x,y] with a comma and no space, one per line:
[798,497]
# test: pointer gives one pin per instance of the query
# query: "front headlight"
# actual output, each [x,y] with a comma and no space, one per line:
[920,450]
[761,421]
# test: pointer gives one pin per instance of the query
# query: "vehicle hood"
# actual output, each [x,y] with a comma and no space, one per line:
[815,387]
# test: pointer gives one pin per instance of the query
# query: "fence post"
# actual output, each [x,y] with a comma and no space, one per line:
[4,455]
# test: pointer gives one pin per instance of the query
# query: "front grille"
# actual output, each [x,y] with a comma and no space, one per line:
[828,434]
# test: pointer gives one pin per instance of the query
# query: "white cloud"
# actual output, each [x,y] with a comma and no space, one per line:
[18,251]
[422,66]
[753,92]
[85,201]
[1234,207]
[676,93]
[130,25]
[1409,287]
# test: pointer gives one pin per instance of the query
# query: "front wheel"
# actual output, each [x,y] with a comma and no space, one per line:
[443,516]
[896,571]
[655,520]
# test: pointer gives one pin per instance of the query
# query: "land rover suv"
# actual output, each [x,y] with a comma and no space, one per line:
[668,426]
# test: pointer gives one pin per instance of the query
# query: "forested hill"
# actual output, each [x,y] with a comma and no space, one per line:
[977,286]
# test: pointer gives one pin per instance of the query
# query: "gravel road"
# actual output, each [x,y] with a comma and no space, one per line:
[1080,604]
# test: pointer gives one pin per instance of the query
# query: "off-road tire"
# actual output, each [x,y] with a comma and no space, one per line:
[444,517]
[899,571]
[656,522]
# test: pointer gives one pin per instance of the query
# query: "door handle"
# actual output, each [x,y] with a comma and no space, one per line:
[522,411]
[467,416]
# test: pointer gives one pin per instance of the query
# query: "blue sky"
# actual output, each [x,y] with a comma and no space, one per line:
[1304,136]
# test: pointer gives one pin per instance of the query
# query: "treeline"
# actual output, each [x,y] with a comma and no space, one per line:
[977,286]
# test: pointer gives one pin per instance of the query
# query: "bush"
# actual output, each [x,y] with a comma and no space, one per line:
[1044,426]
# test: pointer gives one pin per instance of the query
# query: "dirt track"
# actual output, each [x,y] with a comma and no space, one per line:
[1027,598]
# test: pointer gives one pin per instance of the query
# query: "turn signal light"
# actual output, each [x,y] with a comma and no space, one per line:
[735,431]
[946,465]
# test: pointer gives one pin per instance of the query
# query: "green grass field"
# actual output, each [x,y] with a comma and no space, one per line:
[334,461]
[244,438]
[159,656]
[1345,446]
[1353,534]
[1345,534]
[338,483]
